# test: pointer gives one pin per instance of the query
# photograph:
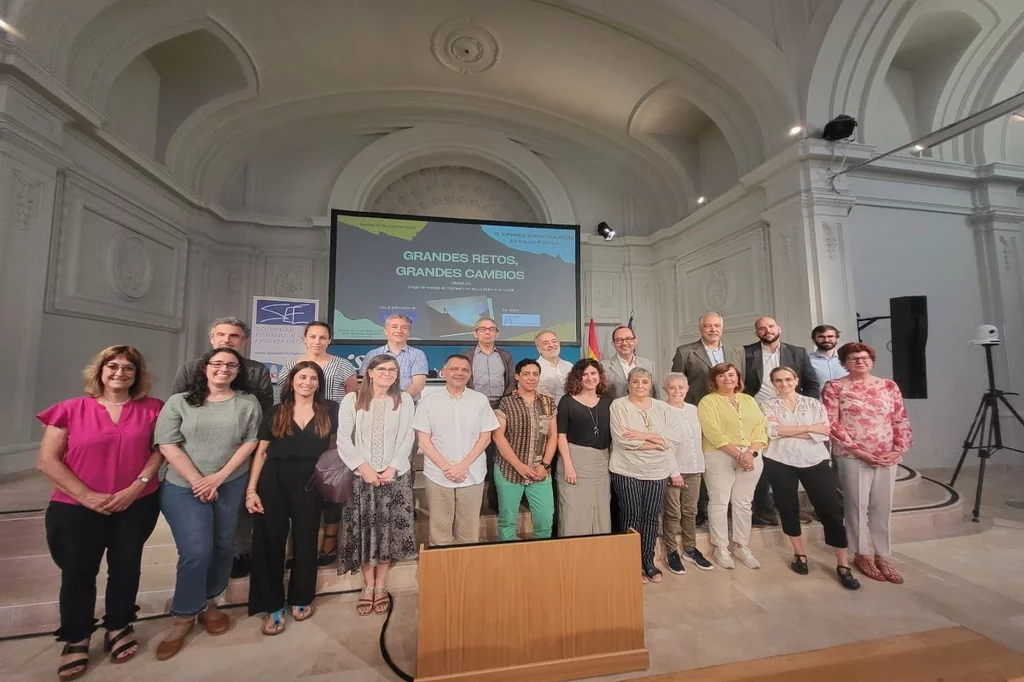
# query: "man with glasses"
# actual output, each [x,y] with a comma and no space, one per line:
[823,358]
[494,375]
[617,368]
[231,332]
[412,362]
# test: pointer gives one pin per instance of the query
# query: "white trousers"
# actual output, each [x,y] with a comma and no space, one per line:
[728,483]
[867,502]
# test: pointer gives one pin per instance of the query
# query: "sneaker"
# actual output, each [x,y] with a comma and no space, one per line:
[747,557]
[723,558]
[675,564]
[695,557]
[240,566]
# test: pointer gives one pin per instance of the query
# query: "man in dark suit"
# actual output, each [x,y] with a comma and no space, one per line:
[696,359]
[761,358]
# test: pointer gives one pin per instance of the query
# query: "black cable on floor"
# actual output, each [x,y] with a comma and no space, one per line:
[384,645]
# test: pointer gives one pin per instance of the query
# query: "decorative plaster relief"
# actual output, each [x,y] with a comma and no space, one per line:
[604,294]
[289,276]
[831,240]
[465,46]
[129,266]
[1009,250]
[716,288]
[455,191]
[26,196]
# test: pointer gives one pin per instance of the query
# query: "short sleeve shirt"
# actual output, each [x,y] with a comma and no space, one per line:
[454,424]
[105,456]
[411,362]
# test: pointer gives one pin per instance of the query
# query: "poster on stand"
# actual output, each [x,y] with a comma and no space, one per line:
[277,325]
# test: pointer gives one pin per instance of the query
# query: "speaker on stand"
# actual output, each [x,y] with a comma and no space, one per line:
[909,323]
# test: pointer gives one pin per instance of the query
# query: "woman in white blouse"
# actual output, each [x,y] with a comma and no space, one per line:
[643,431]
[796,455]
[686,465]
[375,439]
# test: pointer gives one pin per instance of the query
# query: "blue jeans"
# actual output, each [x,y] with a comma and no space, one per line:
[204,533]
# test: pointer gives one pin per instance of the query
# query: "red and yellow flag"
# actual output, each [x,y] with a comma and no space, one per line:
[593,348]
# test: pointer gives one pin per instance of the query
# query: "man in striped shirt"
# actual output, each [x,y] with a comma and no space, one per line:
[412,362]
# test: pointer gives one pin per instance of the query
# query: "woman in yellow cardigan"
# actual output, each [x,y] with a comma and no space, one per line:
[734,433]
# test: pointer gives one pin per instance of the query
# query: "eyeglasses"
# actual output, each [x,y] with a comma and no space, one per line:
[623,339]
[386,370]
[114,367]
[218,364]
[487,329]
[862,359]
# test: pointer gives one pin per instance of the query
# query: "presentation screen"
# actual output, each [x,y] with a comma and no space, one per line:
[445,274]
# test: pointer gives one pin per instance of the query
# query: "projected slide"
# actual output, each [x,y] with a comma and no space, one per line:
[447,274]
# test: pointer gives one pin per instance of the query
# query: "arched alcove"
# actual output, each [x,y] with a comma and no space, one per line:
[454,192]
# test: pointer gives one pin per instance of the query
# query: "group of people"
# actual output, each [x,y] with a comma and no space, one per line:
[589,445]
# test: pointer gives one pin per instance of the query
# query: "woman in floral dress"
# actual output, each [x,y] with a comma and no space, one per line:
[870,432]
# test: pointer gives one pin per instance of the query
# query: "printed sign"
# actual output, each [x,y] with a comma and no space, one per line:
[277,325]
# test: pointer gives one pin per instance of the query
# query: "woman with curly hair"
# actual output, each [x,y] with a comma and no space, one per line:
[584,436]
[98,451]
[207,436]
[292,436]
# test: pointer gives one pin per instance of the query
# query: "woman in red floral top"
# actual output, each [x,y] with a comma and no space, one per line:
[870,433]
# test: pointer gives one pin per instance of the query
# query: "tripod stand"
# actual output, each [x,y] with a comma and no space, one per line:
[986,434]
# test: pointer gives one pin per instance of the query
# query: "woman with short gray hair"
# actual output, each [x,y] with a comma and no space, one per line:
[643,431]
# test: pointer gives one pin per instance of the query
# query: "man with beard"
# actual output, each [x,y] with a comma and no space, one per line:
[824,359]
[761,358]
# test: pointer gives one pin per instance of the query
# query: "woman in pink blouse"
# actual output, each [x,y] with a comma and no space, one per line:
[98,451]
[870,433]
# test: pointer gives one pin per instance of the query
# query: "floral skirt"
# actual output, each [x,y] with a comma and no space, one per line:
[377,525]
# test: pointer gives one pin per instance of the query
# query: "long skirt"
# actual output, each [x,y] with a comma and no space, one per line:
[377,525]
[585,508]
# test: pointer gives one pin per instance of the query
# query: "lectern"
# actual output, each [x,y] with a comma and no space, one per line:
[534,611]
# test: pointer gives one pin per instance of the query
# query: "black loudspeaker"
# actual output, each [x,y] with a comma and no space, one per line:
[909,337]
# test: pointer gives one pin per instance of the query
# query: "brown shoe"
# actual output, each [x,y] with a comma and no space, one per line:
[215,620]
[176,639]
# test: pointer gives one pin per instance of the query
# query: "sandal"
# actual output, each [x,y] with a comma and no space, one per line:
[364,607]
[653,573]
[117,651]
[888,571]
[273,623]
[301,613]
[867,566]
[846,578]
[328,558]
[79,666]
[381,600]
[799,564]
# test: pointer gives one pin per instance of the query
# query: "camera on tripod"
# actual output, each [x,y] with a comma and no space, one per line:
[986,335]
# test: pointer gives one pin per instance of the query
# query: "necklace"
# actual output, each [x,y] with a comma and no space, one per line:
[113,404]
[592,411]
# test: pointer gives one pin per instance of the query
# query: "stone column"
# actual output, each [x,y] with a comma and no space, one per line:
[31,132]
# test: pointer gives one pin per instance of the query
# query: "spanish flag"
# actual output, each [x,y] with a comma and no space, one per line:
[593,347]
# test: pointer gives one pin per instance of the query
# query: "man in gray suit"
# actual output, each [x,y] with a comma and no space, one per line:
[617,368]
[696,359]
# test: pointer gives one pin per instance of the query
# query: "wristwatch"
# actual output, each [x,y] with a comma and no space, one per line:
[547,466]
[142,479]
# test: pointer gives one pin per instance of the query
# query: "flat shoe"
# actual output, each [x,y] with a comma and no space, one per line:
[215,621]
[169,647]
[799,564]
[846,578]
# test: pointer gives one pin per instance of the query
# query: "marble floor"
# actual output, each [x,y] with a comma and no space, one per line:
[972,576]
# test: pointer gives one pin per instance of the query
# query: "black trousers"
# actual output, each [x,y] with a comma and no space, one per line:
[640,505]
[77,538]
[763,499]
[286,504]
[820,484]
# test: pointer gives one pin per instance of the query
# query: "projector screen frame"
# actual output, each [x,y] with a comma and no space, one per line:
[335,212]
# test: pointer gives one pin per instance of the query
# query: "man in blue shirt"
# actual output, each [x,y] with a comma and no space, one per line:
[412,362]
[824,360]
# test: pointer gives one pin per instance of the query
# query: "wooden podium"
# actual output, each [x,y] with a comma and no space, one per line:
[535,611]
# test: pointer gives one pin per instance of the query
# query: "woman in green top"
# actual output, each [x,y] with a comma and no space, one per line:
[207,436]
[526,439]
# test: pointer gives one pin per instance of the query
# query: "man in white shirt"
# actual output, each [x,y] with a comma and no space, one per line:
[553,369]
[617,369]
[696,359]
[453,428]
[823,359]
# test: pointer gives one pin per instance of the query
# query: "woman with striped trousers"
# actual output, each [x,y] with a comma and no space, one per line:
[643,430]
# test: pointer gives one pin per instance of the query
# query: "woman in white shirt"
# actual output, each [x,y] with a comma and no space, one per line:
[796,455]
[375,439]
[643,431]
[686,465]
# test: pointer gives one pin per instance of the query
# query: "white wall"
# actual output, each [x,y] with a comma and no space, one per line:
[717,163]
[903,253]
[133,104]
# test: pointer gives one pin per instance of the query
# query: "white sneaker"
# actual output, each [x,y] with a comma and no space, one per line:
[747,557]
[723,558]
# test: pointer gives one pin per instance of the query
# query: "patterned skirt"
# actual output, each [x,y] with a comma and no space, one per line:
[377,525]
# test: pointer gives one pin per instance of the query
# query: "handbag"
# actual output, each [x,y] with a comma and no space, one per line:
[333,478]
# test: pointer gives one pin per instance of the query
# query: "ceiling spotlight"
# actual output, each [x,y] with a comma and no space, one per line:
[795,130]
[605,231]
[1018,116]
[701,201]
[918,148]
[839,128]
